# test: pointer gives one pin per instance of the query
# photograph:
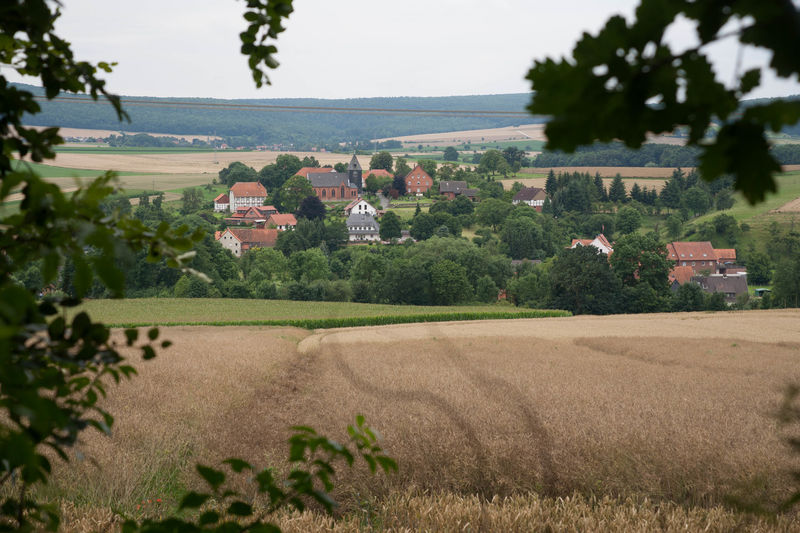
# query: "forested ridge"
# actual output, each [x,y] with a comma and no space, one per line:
[280,127]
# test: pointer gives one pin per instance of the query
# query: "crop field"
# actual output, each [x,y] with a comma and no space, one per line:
[86,133]
[226,311]
[634,423]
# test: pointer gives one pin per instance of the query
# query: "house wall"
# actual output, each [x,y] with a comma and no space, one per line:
[244,201]
[334,194]
[229,242]
[219,208]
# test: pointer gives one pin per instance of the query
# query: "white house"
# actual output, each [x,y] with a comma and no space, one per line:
[240,240]
[363,227]
[360,206]
[222,203]
[246,194]
[600,242]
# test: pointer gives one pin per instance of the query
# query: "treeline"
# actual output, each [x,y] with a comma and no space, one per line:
[143,140]
[249,127]
[618,155]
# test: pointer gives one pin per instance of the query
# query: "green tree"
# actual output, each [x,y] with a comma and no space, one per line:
[312,208]
[786,283]
[236,172]
[450,154]
[492,162]
[674,227]
[449,283]
[610,92]
[523,238]
[390,226]
[381,160]
[759,268]
[429,166]
[640,259]
[422,226]
[581,281]
[401,167]
[629,219]
[340,167]
[671,194]
[191,200]
[486,291]
[289,196]
[264,264]
[688,297]
[492,212]
[617,192]
[697,200]
[309,265]
[551,184]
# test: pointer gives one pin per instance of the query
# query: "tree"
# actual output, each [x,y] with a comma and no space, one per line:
[381,160]
[616,192]
[235,172]
[450,154]
[390,226]
[759,268]
[629,219]
[551,184]
[401,167]
[674,226]
[449,283]
[492,212]
[786,283]
[523,238]
[422,226]
[697,200]
[486,291]
[581,281]
[610,92]
[399,185]
[309,265]
[640,259]
[312,208]
[289,196]
[492,161]
[340,167]
[191,200]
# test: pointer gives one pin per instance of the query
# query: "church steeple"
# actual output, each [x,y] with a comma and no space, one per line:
[354,173]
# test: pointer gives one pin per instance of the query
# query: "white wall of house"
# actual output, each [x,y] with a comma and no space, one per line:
[229,242]
[363,207]
[221,207]
[244,201]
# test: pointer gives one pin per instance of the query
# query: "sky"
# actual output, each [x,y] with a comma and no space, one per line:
[351,48]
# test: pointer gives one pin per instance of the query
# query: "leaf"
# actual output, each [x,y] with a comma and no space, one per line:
[131,335]
[386,463]
[239,508]
[193,500]
[152,334]
[208,517]
[237,465]
[213,477]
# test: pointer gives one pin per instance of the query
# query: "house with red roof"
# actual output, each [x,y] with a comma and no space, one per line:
[377,172]
[281,222]
[248,216]
[305,171]
[700,256]
[246,194]
[240,240]
[600,242]
[222,203]
[418,181]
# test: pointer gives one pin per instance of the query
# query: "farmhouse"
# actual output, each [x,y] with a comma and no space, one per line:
[239,240]
[281,222]
[418,181]
[222,203]
[360,206]
[251,215]
[730,285]
[600,242]
[451,189]
[532,196]
[246,194]
[700,256]
[362,227]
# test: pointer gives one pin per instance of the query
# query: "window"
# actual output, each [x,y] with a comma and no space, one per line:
[693,263]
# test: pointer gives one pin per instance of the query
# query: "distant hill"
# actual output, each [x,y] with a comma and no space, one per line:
[282,127]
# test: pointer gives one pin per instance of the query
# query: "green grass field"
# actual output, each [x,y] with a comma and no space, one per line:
[50,171]
[223,311]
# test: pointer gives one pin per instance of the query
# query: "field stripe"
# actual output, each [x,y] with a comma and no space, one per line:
[349,322]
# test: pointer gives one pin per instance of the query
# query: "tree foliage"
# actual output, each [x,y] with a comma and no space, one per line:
[614,75]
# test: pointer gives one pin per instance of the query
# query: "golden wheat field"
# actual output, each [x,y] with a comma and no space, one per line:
[646,422]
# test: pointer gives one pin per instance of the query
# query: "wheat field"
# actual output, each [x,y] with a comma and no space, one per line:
[647,422]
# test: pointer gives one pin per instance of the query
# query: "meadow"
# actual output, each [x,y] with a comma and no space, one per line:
[231,311]
[630,423]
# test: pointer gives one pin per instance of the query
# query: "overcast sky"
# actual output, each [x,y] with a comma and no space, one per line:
[349,48]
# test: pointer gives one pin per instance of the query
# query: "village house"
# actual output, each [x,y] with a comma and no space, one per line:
[418,181]
[248,216]
[222,203]
[246,194]
[532,196]
[362,227]
[451,189]
[281,222]
[700,256]
[730,285]
[600,242]
[240,240]
[360,206]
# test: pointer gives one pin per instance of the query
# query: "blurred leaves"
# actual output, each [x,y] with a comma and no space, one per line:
[626,82]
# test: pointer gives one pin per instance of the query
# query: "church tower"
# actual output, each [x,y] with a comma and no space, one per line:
[354,174]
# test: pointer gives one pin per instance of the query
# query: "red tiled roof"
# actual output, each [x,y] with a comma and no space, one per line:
[222,199]
[696,251]
[582,242]
[725,254]
[681,274]
[305,171]
[418,172]
[282,220]
[603,240]
[528,193]
[260,236]
[248,188]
